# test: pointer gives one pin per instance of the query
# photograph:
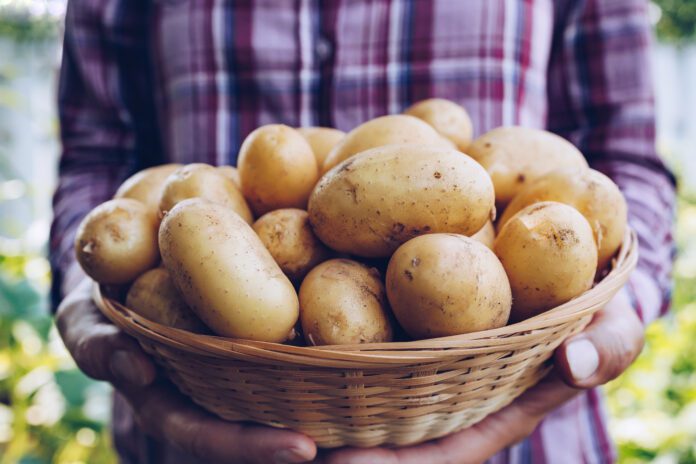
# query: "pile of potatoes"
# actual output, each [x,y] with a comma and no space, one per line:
[385,233]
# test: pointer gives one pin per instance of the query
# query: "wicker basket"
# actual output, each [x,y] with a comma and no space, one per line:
[375,394]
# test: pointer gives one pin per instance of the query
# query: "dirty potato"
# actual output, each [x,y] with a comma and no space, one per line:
[343,302]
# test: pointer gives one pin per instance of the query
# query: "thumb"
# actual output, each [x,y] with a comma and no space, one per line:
[605,349]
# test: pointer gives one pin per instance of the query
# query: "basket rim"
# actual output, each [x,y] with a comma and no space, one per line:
[391,353]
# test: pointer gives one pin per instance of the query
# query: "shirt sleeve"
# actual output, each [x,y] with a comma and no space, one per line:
[107,118]
[601,98]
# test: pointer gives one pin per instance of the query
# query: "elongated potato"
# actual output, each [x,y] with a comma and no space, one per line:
[154,296]
[286,233]
[322,140]
[447,284]
[231,173]
[516,156]
[372,203]
[486,235]
[146,186]
[592,193]
[343,302]
[385,130]
[225,274]
[200,180]
[549,255]
[448,118]
[117,241]
[277,168]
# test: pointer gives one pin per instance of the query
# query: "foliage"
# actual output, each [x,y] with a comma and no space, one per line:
[31,20]
[677,21]
[653,405]
[49,411]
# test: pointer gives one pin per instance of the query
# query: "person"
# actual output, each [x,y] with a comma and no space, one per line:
[145,83]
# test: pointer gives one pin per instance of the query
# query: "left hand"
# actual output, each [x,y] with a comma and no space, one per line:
[605,349]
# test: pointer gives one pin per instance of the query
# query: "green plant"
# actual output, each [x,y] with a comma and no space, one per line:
[677,21]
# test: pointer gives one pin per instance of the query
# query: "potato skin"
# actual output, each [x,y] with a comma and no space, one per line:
[322,140]
[486,235]
[231,173]
[154,296]
[375,201]
[225,274]
[549,255]
[287,234]
[117,241]
[277,168]
[447,284]
[448,118]
[385,130]
[198,180]
[516,156]
[146,186]
[343,302]
[592,193]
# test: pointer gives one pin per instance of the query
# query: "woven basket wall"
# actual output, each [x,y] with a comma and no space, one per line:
[375,394]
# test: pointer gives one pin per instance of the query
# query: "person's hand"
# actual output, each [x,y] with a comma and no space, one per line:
[599,354]
[103,352]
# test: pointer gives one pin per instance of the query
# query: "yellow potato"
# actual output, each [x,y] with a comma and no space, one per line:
[448,118]
[277,168]
[516,156]
[286,233]
[486,235]
[154,296]
[322,140]
[146,185]
[592,193]
[199,180]
[117,241]
[549,255]
[343,302]
[225,274]
[372,203]
[385,130]
[447,284]
[231,173]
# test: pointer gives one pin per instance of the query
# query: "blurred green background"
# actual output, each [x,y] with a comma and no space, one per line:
[50,412]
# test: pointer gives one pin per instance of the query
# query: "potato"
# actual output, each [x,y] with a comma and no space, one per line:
[486,235]
[199,180]
[117,241]
[146,186]
[448,118]
[592,193]
[372,203]
[447,284]
[322,140]
[154,296]
[549,255]
[277,168]
[343,302]
[385,130]
[516,156]
[225,274]
[231,173]
[286,233]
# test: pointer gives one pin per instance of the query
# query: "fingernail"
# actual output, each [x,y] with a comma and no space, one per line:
[583,359]
[288,456]
[125,367]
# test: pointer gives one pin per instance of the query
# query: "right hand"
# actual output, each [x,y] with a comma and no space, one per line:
[103,352]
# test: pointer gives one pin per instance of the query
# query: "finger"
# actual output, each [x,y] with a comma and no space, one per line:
[167,415]
[606,348]
[99,348]
[477,443]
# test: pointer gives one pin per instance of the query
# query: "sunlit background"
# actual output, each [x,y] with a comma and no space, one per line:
[49,412]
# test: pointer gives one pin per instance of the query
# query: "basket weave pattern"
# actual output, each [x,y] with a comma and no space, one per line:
[374,394]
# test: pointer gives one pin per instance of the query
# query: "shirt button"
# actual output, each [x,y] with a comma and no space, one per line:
[323,48]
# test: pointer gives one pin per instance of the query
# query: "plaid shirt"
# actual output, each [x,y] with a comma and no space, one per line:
[185,81]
